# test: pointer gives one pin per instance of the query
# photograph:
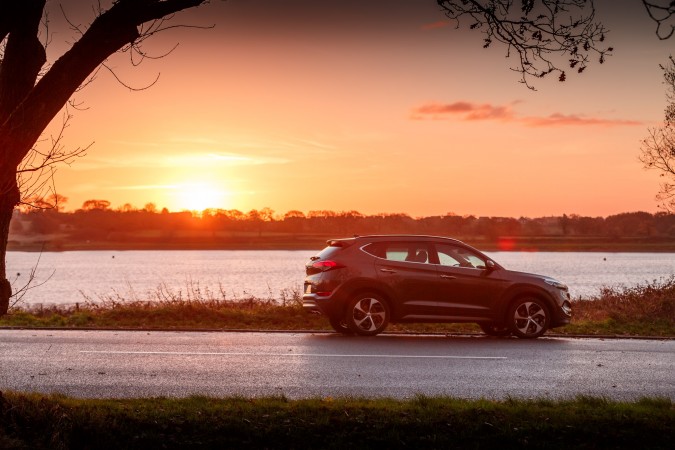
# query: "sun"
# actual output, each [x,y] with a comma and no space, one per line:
[199,196]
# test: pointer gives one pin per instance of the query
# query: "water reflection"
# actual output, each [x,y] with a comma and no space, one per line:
[266,273]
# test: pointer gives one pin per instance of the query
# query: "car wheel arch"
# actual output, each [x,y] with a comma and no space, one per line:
[519,292]
[375,290]
[368,285]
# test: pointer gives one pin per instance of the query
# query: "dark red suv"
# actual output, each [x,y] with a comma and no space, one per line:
[363,283]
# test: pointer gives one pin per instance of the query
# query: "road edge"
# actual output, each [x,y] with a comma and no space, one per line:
[390,333]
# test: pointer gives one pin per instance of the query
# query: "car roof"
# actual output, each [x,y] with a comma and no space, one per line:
[394,237]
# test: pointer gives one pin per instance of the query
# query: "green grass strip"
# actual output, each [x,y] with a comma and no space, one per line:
[56,422]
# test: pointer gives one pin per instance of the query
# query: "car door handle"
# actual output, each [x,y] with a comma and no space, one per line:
[448,277]
[387,271]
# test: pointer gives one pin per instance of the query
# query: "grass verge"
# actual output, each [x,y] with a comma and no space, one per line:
[643,310]
[56,422]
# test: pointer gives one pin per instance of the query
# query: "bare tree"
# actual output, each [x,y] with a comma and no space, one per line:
[32,94]
[547,36]
[35,174]
[658,149]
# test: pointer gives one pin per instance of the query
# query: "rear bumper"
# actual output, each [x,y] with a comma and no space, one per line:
[330,306]
[309,304]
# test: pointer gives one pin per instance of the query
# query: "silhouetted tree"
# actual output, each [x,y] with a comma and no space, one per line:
[547,36]
[57,201]
[150,207]
[294,214]
[32,94]
[127,208]
[90,205]
[658,150]
[565,224]
[266,214]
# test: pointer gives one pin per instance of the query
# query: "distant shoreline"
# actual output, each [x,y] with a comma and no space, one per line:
[275,242]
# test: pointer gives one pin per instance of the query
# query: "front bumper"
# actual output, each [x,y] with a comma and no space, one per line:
[563,313]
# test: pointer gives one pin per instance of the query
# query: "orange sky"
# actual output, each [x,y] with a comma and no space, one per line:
[356,105]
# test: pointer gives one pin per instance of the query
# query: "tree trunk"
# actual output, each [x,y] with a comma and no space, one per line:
[9,198]
[27,107]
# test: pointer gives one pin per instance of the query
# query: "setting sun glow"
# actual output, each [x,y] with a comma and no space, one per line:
[198,197]
[312,107]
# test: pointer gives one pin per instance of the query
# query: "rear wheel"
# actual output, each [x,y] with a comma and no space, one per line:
[340,325]
[367,314]
[528,318]
[492,329]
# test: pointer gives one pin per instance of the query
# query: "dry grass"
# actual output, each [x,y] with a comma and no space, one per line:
[647,309]
[190,307]
[648,301]
[637,309]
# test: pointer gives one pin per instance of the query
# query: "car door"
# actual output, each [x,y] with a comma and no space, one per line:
[467,289]
[406,269]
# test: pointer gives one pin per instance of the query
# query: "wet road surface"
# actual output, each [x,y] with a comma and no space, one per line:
[298,365]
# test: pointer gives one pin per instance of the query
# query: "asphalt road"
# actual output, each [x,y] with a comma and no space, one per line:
[297,365]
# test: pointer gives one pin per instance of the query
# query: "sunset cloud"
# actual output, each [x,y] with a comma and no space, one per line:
[467,111]
[558,119]
[435,25]
[463,110]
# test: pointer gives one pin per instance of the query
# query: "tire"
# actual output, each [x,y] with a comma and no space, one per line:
[528,317]
[340,325]
[367,314]
[492,329]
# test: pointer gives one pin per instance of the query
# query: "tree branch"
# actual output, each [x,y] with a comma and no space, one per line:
[110,31]
[661,14]
[546,36]
[658,149]
[24,55]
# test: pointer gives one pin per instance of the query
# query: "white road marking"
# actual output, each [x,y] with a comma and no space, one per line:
[314,355]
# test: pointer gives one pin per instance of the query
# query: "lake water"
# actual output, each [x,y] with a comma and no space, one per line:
[265,273]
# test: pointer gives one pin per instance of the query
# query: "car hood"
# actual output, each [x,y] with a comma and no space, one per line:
[525,276]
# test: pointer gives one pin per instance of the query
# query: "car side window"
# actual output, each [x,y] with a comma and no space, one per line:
[400,251]
[454,256]
[378,249]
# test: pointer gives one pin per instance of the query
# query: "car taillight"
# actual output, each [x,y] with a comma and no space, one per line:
[326,265]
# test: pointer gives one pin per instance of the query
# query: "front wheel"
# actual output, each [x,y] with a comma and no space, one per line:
[528,318]
[367,314]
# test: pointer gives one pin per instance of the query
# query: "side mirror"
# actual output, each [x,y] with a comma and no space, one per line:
[490,265]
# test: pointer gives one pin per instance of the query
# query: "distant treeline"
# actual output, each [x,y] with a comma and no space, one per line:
[96,222]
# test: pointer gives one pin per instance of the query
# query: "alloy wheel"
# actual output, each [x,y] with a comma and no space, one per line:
[368,316]
[529,318]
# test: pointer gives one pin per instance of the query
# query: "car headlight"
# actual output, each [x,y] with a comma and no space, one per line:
[555,283]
